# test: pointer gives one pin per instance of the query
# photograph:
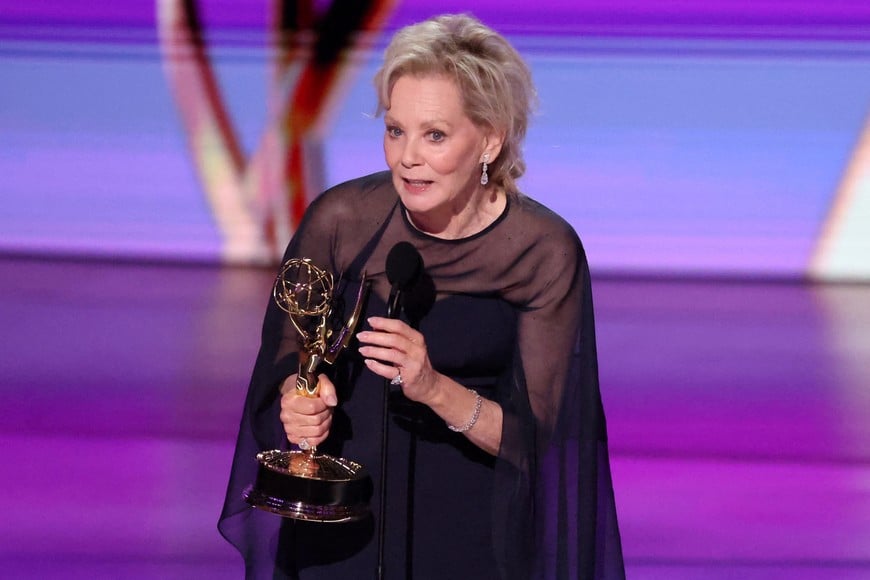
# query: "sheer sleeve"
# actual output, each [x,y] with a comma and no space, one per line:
[553,510]
[323,236]
[554,448]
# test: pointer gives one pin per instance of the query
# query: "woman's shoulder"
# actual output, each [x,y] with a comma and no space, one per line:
[341,219]
[541,227]
[353,200]
[543,254]
[355,193]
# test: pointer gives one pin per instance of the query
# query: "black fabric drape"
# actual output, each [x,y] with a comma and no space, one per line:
[513,318]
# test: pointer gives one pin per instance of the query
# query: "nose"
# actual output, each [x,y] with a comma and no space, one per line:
[410,154]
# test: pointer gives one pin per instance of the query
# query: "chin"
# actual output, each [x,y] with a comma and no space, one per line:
[414,204]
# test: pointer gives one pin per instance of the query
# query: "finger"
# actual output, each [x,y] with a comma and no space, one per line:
[319,438]
[310,432]
[381,369]
[390,355]
[384,339]
[327,391]
[313,436]
[392,325]
[294,423]
[291,417]
[413,347]
[302,404]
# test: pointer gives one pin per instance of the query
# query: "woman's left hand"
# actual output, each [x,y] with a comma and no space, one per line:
[392,348]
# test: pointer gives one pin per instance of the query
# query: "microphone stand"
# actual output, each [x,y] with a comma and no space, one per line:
[403,266]
[393,311]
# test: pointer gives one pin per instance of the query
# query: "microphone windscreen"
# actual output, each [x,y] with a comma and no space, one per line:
[403,265]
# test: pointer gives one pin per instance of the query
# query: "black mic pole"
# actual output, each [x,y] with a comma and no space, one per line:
[403,267]
[393,311]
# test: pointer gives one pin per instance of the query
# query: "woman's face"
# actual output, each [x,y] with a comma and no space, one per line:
[433,148]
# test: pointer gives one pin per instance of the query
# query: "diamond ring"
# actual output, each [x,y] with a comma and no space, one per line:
[304,445]
[397,380]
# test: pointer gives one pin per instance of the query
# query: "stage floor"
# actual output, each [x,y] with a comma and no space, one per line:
[738,412]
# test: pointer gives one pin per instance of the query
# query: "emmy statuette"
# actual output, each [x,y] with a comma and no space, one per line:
[305,484]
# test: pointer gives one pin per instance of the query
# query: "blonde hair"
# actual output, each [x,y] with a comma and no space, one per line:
[494,81]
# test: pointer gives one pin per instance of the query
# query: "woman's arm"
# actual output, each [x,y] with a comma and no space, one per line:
[458,407]
[393,341]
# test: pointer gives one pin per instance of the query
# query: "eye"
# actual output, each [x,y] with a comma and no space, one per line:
[437,136]
[394,132]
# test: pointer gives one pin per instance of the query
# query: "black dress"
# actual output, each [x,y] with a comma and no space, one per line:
[507,312]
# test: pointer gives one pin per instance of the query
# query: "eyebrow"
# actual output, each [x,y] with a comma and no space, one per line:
[428,123]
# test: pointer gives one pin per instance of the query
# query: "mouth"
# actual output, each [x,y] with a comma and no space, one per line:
[416,185]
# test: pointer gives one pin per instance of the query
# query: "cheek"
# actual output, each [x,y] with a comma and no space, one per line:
[390,154]
[445,163]
[457,166]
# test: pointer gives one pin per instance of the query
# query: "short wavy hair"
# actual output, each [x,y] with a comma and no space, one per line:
[494,81]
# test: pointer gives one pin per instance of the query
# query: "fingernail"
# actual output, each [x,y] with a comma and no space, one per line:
[331,400]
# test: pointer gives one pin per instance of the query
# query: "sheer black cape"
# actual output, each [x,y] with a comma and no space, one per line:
[548,497]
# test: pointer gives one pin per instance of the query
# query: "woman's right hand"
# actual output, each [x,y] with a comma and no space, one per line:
[307,418]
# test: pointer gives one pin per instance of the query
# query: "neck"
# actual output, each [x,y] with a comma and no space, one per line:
[472,218]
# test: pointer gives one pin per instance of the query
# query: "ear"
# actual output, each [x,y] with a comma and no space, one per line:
[492,143]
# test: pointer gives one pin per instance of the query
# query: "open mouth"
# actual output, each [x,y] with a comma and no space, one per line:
[417,182]
[416,185]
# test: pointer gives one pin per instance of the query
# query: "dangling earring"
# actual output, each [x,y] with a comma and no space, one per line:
[484,178]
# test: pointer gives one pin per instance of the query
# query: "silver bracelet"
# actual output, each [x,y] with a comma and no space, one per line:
[478,402]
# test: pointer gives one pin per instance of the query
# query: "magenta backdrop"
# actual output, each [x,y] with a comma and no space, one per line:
[677,137]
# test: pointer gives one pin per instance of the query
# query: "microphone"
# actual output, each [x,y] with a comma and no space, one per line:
[404,264]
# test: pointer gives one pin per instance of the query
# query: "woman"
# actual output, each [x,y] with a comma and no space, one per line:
[498,454]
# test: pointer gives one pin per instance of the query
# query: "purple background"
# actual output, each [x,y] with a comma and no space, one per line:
[688,137]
